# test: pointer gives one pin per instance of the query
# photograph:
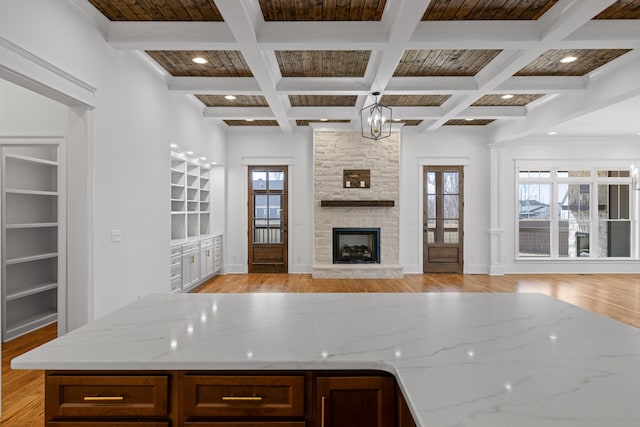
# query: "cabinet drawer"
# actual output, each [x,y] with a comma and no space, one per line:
[176,251]
[246,424]
[190,247]
[206,243]
[242,396]
[108,424]
[106,396]
[176,282]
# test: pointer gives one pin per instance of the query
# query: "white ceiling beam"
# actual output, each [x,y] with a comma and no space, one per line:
[474,35]
[215,85]
[170,35]
[358,86]
[332,113]
[543,85]
[567,16]
[619,85]
[323,85]
[492,112]
[245,19]
[239,113]
[596,34]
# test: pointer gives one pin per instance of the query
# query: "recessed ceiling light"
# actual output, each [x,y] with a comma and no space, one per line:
[469,120]
[214,163]
[173,145]
[249,120]
[552,133]
[199,60]
[568,59]
[507,96]
[190,153]
[396,120]
[229,97]
[203,158]
[324,120]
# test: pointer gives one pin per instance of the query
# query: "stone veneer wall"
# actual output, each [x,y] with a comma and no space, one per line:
[332,153]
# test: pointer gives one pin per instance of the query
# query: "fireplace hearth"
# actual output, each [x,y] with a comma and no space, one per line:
[356,246]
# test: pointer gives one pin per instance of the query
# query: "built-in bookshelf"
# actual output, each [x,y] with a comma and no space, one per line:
[190,198]
[30,237]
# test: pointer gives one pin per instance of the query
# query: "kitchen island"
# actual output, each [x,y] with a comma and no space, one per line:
[477,360]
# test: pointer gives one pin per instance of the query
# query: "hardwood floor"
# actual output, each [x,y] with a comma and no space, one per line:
[615,296]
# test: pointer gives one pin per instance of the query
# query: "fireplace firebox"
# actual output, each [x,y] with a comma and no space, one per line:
[356,246]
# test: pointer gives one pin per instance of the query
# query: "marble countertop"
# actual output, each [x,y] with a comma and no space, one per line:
[473,360]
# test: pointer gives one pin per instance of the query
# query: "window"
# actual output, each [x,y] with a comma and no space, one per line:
[574,213]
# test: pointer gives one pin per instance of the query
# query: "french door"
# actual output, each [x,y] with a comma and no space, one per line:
[443,219]
[268,213]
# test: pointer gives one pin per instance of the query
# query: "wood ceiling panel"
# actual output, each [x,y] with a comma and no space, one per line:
[408,122]
[457,10]
[443,62]
[240,101]
[497,100]
[322,63]
[622,9]
[158,10]
[251,123]
[306,122]
[475,122]
[222,63]
[322,10]
[323,100]
[414,100]
[548,64]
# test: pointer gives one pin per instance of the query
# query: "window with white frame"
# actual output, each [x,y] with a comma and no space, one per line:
[573,213]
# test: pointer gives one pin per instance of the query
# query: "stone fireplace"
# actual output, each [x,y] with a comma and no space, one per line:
[337,206]
[356,245]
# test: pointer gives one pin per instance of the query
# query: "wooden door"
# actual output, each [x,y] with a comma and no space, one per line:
[355,402]
[268,215]
[443,219]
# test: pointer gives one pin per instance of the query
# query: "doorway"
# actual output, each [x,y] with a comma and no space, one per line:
[268,215]
[443,219]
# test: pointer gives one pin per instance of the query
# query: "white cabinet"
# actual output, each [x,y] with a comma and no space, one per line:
[176,269]
[206,258]
[217,254]
[190,266]
[31,237]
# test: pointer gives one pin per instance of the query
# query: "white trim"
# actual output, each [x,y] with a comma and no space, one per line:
[28,70]
[266,161]
[444,161]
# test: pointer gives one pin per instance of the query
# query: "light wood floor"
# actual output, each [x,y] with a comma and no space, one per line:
[615,296]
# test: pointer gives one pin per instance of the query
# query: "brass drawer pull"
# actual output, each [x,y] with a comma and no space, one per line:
[242,398]
[322,412]
[103,398]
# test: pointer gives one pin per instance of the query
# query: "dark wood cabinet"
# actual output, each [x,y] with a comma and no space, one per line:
[224,399]
[356,401]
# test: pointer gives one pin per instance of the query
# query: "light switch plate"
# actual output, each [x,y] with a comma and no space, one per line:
[116,235]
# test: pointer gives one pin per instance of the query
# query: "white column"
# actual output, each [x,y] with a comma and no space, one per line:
[496,230]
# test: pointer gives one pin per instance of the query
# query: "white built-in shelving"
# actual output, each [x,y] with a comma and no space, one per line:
[31,236]
[190,206]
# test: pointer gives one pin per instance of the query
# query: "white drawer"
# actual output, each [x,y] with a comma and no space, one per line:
[206,243]
[217,240]
[176,283]
[177,250]
[176,269]
[190,247]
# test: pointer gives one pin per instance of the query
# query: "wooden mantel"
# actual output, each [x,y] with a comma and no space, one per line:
[357,203]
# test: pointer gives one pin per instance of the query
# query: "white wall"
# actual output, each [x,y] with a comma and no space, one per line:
[448,146]
[134,120]
[25,113]
[270,145]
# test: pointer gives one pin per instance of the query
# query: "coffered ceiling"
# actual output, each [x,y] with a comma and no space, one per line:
[501,64]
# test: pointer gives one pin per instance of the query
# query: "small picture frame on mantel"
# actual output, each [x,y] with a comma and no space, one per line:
[356,178]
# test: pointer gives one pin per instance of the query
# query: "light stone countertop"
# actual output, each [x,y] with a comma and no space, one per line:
[461,359]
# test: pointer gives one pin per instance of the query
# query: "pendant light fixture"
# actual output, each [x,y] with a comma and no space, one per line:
[375,120]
